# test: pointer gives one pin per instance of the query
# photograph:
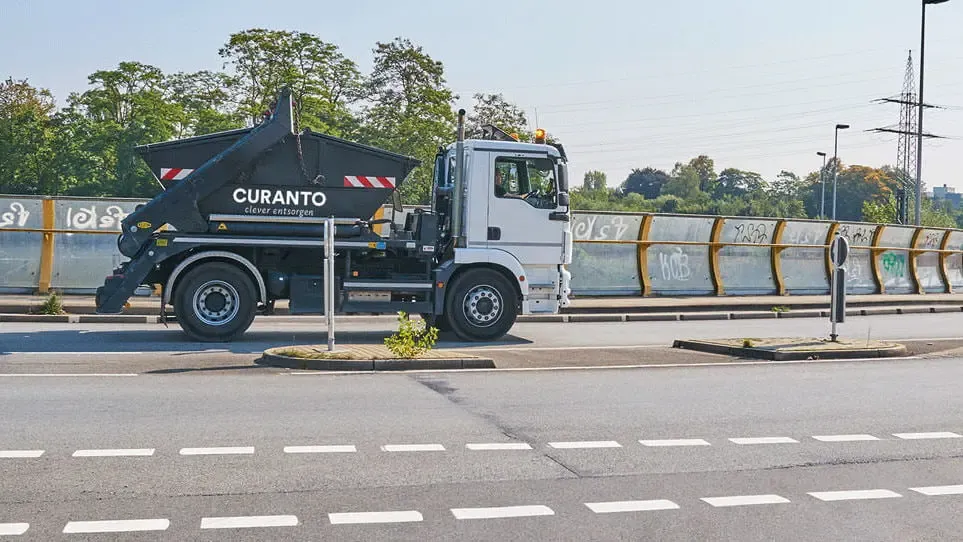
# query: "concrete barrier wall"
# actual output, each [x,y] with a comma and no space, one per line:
[69,244]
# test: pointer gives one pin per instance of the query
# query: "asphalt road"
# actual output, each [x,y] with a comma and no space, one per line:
[854,451]
[139,348]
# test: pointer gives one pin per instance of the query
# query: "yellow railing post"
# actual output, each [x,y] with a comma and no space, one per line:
[913,263]
[714,248]
[643,255]
[775,253]
[830,235]
[874,256]
[46,247]
[944,265]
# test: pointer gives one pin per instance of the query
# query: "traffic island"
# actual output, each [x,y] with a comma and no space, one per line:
[367,358]
[794,349]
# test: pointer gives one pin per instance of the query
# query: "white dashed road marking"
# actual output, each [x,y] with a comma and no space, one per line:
[332,449]
[844,438]
[675,442]
[502,512]
[247,522]
[375,517]
[745,500]
[935,491]
[499,446]
[117,526]
[115,453]
[218,451]
[631,506]
[765,440]
[921,436]
[855,495]
[413,448]
[13,529]
[20,454]
[585,444]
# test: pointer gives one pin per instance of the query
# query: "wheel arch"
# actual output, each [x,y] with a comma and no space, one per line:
[218,256]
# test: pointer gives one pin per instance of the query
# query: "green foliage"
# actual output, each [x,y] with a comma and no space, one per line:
[52,305]
[495,110]
[411,340]
[594,180]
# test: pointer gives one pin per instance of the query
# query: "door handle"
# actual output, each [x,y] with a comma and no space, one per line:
[494,234]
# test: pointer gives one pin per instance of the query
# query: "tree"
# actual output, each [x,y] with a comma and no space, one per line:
[684,182]
[735,182]
[411,110]
[594,180]
[706,171]
[323,81]
[648,182]
[208,100]
[25,138]
[495,110]
[787,185]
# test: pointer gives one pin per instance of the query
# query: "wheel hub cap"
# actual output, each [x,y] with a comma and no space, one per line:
[483,306]
[216,303]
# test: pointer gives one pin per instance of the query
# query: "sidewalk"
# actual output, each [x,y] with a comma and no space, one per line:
[602,307]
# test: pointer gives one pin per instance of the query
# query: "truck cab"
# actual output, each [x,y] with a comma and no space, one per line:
[513,216]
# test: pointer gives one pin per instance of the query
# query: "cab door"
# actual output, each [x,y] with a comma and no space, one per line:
[523,206]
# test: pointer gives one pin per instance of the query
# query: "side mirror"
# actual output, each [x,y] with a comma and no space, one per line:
[396,202]
[563,199]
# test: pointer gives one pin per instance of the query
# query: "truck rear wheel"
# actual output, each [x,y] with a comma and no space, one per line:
[215,302]
[481,305]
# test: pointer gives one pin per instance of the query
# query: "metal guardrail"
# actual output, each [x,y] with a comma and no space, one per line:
[69,244]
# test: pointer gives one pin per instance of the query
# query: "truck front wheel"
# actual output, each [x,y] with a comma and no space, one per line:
[215,302]
[481,305]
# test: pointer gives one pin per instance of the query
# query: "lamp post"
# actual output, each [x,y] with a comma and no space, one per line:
[919,136]
[822,186]
[836,163]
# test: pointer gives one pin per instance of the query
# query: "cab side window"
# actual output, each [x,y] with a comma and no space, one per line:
[506,179]
[529,179]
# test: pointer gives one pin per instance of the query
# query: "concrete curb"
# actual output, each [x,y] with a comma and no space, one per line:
[376,365]
[535,318]
[896,350]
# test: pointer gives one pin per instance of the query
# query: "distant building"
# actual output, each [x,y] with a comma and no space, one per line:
[949,194]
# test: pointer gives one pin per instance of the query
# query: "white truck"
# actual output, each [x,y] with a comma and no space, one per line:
[239,226]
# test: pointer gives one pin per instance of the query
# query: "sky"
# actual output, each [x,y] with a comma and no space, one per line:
[755,85]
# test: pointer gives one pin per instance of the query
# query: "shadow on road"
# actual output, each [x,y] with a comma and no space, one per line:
[174,340]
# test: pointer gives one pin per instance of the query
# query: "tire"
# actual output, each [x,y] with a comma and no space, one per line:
[481,305]
[215,302]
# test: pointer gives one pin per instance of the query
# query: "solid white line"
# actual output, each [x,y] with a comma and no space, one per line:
[333,449]
[65,374]
[855,495]
[115,453]
[921,436]
[566,348]
[115,353]
[117,526]
[675,442]
[413,448]
[585,444]
[13,529]
[218,451]
[765,440]
[502,512]
[745,500]
[631,506]
[499,446]
[20,454]
[247,522]
[375,517]
[844,438]
[934,491]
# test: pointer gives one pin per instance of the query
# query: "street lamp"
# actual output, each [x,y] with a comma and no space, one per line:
[919,137]
[822,186]
[836,163]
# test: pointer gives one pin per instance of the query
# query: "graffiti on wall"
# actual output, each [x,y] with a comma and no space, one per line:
[600,228]
[93,218]
[674,263]
[750,233]
[858,236]
[15,216]
[893,263]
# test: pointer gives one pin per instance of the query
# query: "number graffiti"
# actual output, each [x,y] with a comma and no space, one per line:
[756,234]
[675,265]
[893,263]
[16,217]
[610,229]
[87,218]
[932,240]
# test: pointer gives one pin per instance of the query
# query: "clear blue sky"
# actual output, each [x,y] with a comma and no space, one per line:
[754,84]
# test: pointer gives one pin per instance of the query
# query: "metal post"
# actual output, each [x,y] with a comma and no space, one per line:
[822,186]
[919,136]
[329,232]
[836,164]
[457,193]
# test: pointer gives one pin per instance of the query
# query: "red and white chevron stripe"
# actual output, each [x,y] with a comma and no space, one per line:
[369,182]
[174,174]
